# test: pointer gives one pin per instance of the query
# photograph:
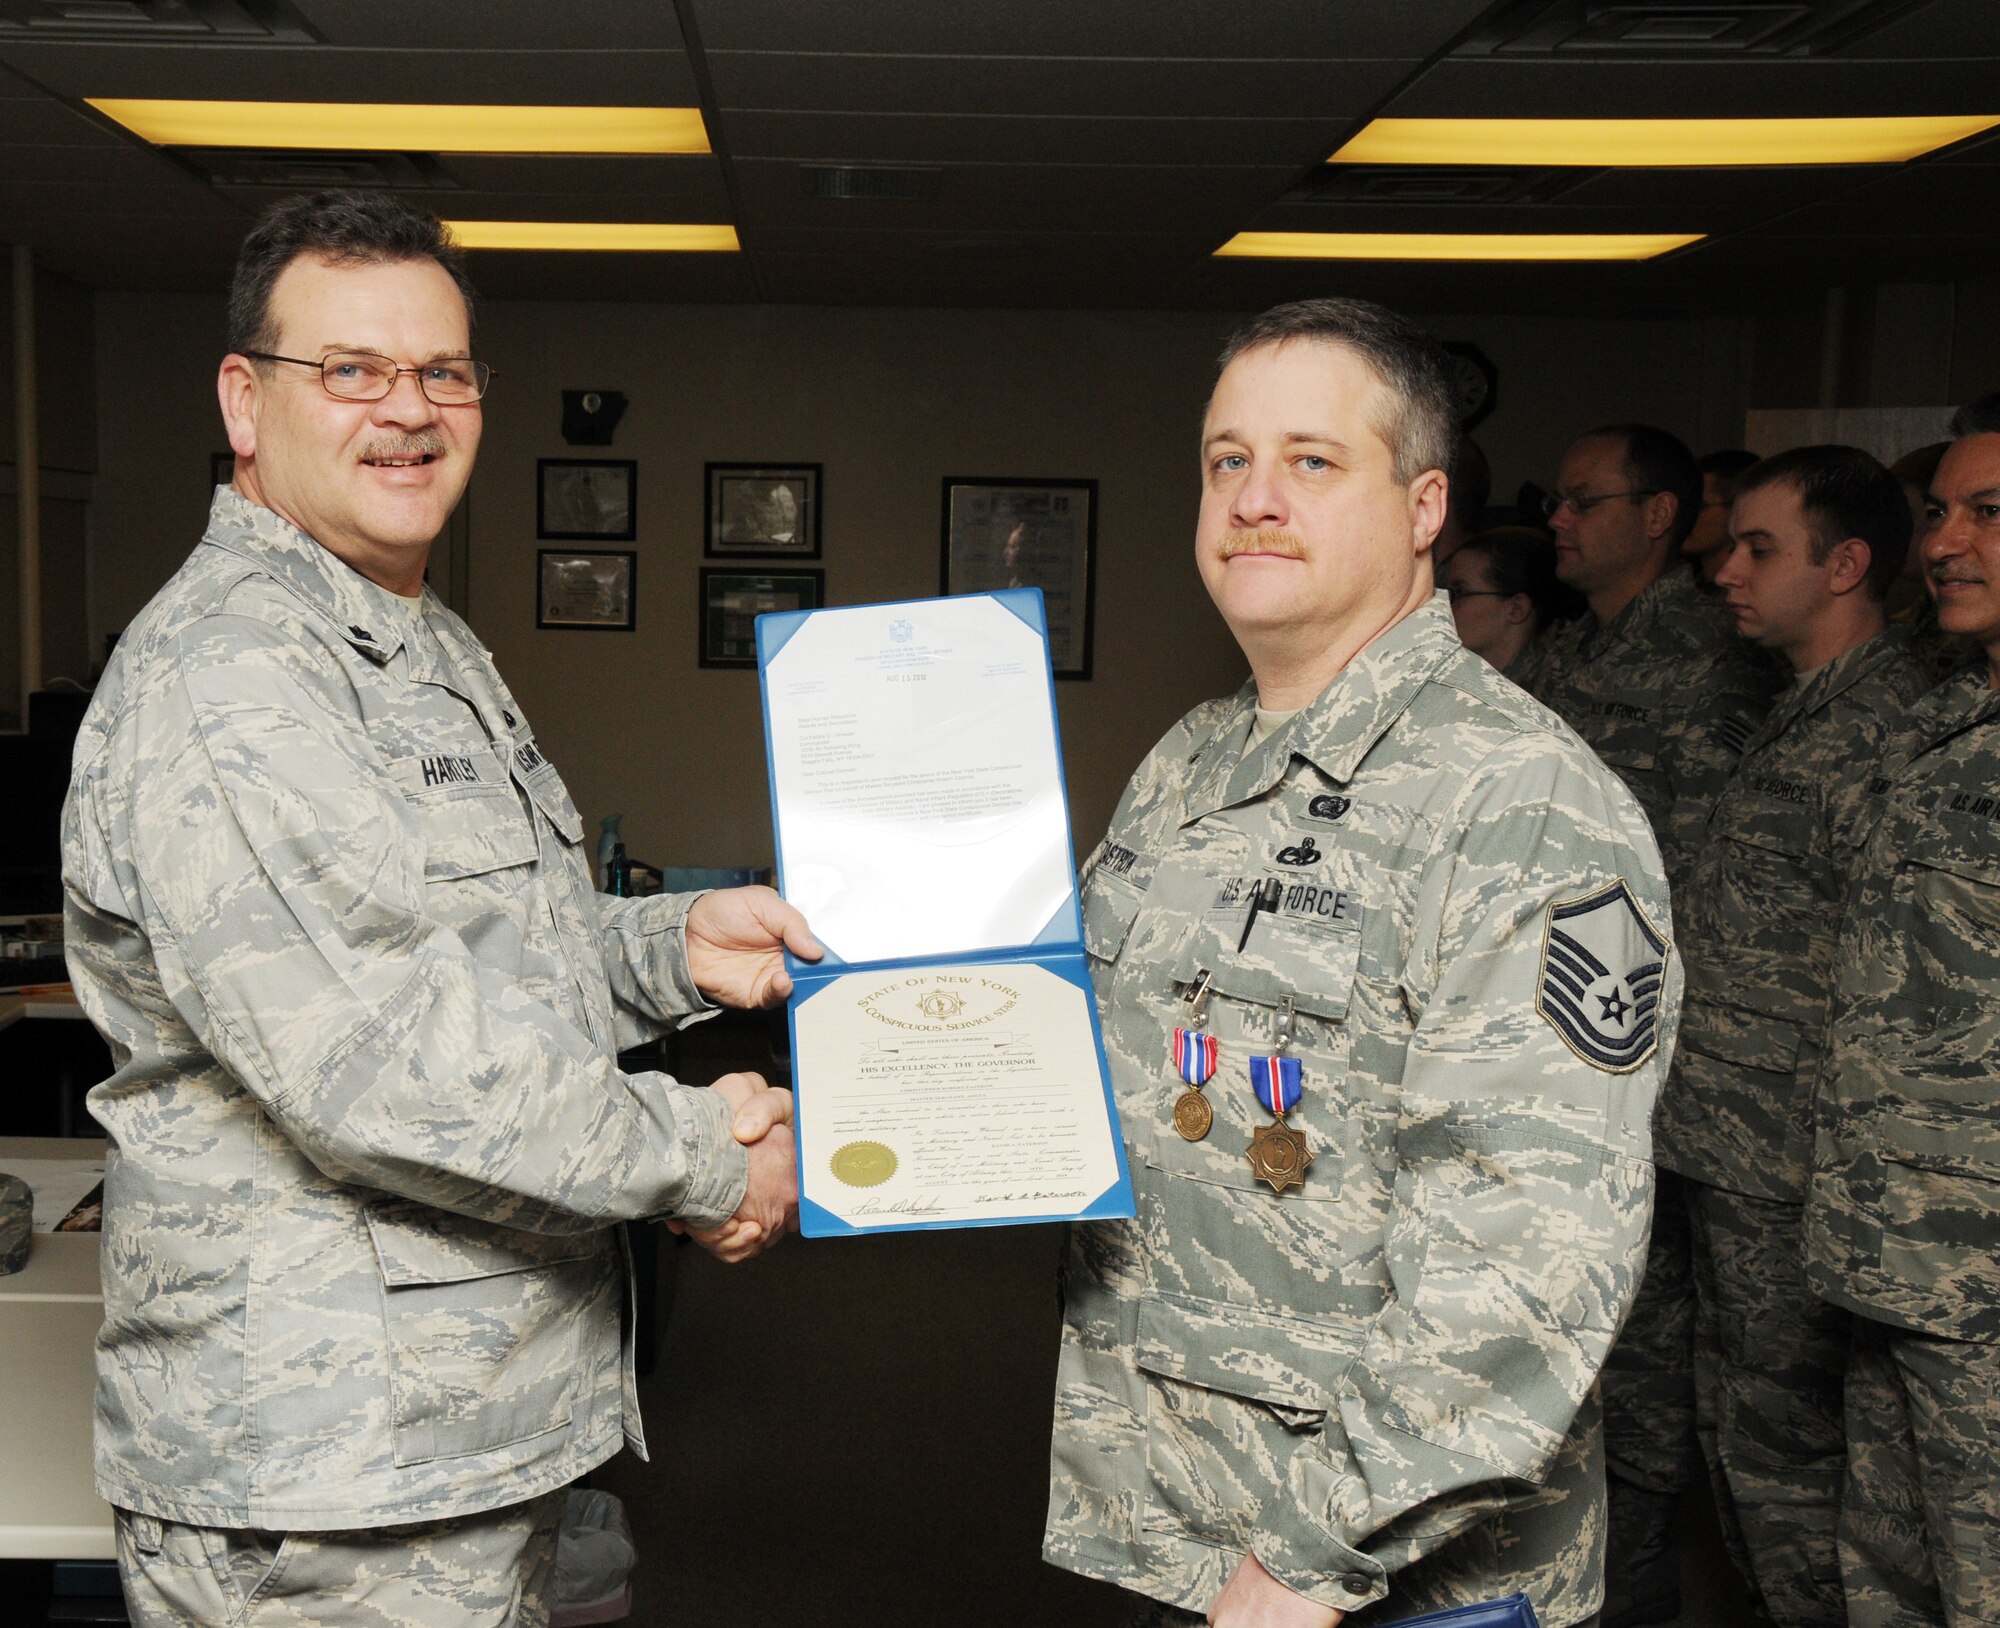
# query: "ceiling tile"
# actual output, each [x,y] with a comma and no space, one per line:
[863,137]
[496,25]
[836,82]
[1791,88]
[1198,29]
[322,73]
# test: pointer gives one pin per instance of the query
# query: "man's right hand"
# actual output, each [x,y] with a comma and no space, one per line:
[763,1124]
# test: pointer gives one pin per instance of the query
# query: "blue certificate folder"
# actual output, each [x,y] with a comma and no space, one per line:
[948,1064]
[1509,1611]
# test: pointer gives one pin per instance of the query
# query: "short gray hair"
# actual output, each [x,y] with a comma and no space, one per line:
[1420,428]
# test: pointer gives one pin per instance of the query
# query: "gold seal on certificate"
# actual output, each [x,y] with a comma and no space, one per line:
[862,1164]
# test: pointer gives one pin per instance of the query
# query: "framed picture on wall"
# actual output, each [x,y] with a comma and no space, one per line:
[595,591]
[771,509]
[586,498]
[731,602]
[1002,532]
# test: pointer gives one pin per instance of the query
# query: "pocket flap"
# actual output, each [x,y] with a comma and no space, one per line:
[472,830]
[552,798]
[1285,1361]
[1313,965]
[1933,849]
[415,1244]
[1738,1035]
[1109,908]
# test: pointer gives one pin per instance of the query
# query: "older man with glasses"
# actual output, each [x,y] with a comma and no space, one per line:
[1654,678]
[326,898]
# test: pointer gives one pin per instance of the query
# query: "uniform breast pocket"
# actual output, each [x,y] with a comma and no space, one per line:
[472,832]
[1285,961]
[483,1326]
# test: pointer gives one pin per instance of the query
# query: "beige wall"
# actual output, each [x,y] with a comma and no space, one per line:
[889,402]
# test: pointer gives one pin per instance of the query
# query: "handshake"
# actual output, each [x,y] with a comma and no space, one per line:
[770,1207]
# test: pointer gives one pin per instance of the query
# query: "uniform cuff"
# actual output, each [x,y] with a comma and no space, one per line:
[693,1003]
[718,1165]
[1295,1545]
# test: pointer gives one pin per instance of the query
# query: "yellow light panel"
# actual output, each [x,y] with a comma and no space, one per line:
[639,236]
[1454,245]
[411,126]
[1655,143]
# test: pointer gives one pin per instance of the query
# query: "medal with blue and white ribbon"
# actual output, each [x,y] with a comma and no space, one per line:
[1196,1053]
[1278,1154]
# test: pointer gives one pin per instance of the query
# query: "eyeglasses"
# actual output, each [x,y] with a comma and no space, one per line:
[1456,594]
[359,375]
[1581,506]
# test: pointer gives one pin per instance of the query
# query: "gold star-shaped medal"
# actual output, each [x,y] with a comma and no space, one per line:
[1279,1155]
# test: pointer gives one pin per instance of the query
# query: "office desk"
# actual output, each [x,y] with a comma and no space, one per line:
[49,1316]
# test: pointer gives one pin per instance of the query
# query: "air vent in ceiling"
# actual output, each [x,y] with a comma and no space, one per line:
[1680,28]
[260,167]
[156,22]
[868,182]
[1432,184]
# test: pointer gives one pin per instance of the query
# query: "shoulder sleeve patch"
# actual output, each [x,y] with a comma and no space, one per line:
[1603,964]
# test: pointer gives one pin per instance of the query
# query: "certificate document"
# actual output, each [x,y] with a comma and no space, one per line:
[953,1094]
[946,1053]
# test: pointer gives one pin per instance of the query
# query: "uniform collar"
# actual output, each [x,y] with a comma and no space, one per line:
[1335,732]
[1648,607]
[374,621]
[1837,677]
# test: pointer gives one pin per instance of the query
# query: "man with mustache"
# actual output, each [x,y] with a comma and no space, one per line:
[1818,538]
[327,900]
[1902,1222]
[1382,954]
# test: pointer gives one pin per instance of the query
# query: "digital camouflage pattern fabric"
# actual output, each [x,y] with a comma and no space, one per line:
[1759,918]
[327,902]
[1920,1517]
[1769,1359]
[1903,1217]
[1758,924]
[1666,696]
[1380,1381]
[494,1570]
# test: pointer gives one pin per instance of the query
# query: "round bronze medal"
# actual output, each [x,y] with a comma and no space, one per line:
[1192,1115]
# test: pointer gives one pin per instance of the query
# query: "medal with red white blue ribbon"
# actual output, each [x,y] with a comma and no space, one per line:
[1196,1053]
[1278,1154]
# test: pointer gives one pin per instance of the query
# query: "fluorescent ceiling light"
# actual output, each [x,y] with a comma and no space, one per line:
[1655,143]
[411,127]
[1455,245]
[650,236]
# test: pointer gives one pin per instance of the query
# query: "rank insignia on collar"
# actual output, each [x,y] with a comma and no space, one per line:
[1599,986]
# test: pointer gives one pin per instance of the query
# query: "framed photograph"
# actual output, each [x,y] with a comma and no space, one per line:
[595,592]
[586,498]
[221,468]
[1000,532]
[762,509]
[731,602]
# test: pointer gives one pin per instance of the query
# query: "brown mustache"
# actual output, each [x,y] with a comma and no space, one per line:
[1263,541]
[414,444]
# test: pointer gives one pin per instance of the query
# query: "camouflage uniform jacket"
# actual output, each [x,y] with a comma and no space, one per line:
[1378,1382]
[1666,696]
[1759,918]
[326,903]
[1903,1216]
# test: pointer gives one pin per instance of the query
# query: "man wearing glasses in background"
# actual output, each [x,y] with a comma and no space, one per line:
[326,901]
[1656,681]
